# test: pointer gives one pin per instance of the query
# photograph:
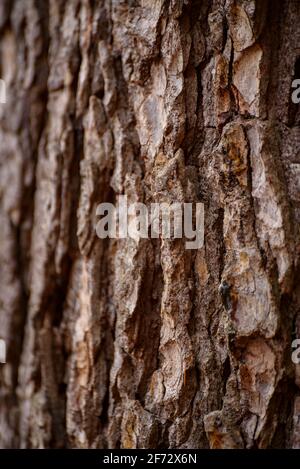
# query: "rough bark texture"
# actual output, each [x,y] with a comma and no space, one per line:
[128,344]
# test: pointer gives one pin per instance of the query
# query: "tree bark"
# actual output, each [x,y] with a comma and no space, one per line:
[117,343]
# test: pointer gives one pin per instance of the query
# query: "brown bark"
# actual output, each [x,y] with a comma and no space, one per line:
[128,344]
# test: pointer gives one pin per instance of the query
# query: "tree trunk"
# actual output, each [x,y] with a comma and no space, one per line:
[145,344]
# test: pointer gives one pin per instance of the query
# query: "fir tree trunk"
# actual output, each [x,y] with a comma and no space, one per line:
[117,343]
